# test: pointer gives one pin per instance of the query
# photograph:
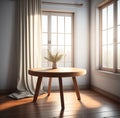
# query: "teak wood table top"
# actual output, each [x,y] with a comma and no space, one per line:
[59,72]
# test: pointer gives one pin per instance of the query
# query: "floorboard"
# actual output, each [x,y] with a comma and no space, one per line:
[92,105]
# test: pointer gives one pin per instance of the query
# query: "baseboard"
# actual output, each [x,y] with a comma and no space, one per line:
[4,92]
[53,88]
[106,94]
[56,88]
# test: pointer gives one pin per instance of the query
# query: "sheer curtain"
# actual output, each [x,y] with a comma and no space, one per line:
[29,54]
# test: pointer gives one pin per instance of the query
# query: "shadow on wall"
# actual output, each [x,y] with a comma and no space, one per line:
[12,63]
[8,44]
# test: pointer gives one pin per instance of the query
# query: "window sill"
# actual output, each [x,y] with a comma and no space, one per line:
[108,74]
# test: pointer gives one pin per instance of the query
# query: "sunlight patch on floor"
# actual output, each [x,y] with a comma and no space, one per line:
[13,103]
[90,102]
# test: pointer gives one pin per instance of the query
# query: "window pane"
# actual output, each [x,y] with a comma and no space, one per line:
[104,37]
[61,51]
[60,24]
[110,56]
[110,36]
[53,39]
[118,34]
[44,53]
[67,24]
[67,39]
[118,56]
[104,56]
[60,39]
[104,18]
[118,12]
[53,49]
[44,38]
[61,64]
[44,65]
[110,16]
[44,23]
[68,54]
[68,64]
[54,24]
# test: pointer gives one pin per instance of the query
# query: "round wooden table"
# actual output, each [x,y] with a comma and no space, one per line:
[59,73]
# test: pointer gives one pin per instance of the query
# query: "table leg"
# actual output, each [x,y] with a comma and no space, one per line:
[61,92]
[37,88]
[76,87]
[49,86]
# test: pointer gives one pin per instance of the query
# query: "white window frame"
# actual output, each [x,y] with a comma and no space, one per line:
[115,33]
[45,63]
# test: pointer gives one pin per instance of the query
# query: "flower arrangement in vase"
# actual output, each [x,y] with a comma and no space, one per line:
[54,58]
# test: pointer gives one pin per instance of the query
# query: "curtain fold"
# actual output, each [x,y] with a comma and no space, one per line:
[29,49]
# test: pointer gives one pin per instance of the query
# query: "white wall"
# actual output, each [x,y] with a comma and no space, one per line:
[81,38]
[105,81]
[8,44]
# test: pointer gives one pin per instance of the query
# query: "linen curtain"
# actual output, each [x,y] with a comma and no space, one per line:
[29,46]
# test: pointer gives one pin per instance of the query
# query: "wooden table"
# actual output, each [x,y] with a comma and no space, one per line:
[59,73]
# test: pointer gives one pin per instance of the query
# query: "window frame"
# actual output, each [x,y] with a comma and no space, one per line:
[115,69]
[58,13]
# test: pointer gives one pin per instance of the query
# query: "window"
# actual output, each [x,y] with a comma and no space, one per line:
[57,35]
[118,34]
[110,36]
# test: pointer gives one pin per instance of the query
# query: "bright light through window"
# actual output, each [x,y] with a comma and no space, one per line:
[110,36]
[118,37]
[57,36]
[107,37]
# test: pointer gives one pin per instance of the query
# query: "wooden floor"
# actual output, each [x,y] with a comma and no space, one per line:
[92,105]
